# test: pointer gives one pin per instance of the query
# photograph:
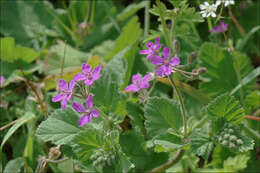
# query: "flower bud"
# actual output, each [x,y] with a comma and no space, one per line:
[230,130]
[224,142]
[233,138]
[231,145]
[202,70]
[226,136]
[239,141]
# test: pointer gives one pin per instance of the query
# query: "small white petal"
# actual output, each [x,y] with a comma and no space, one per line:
[213,14]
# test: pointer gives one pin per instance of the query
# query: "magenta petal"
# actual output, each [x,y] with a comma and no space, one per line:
[157,40]
[2,79]
[79,77]
[86,68]
[156,60]
[63,85]
[96,77]
[166,52]
[143,52]
[175,61]
[96,70]
[88,82]
[64,103]
[89,117]
[83,120]
[78,107]
[89,102]
[94,113]
[146,78]
[168,70]
[160,71]
[136,79]
[131,88]
[58,98]
[149,56]
[72,84]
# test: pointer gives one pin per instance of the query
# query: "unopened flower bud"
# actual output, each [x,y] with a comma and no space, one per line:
[233,138]
[224,143]
[176,45]
[231,145]
[230,130]
[202,70]
[239,141]
[192,57]
[226,136]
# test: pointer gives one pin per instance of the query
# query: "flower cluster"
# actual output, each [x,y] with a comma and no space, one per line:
[164,64]
[208,10]
[86,78]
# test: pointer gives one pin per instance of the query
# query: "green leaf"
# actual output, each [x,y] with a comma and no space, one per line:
[7,49]
[237,163]
[252,101]
[226,107]
[60,128]
[242,42]
[162,114]
[167,143]
[24,119]
[86,142]
[132,28]
[248,78]
[10,53]
[221,75]
[14,165]
[27,21]
[201,144]
[130,10]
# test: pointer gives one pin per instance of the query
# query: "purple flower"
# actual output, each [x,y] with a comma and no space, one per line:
[2,79]
[138,83]
[152,49]
[222,27]
[88,75]
[165,63]
[66,92]
[87,110]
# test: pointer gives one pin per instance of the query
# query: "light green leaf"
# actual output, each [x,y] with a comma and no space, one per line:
[167,143]
[86,142]
[24,119]
[221,75]
[237,163]
[14,165]
[252,101]
[226,107]
[132,28]
[248,78]
[130,10]
[60,128]
[7,49]
[201,144]
[162,114]
[10,53]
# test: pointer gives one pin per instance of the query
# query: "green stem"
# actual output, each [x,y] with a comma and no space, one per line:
[184,117]
[209,23]
[147,18]
[220,13]
[165,30]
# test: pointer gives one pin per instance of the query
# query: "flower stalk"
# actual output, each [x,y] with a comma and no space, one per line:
[184,117]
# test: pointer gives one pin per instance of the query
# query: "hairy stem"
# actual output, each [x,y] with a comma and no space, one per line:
[209,23]
[147,18]
[169,163]
[239,27]
[184,117]
[165,30]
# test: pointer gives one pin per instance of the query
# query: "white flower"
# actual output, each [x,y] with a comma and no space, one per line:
[226,2]
[208,10]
